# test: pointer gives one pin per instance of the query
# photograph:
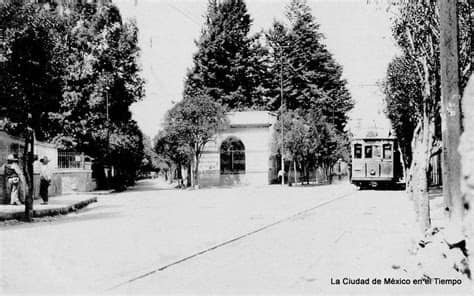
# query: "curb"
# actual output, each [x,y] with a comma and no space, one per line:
[100,192]
[50,212]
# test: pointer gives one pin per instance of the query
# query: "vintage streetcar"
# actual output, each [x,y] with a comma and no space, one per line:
[375,162]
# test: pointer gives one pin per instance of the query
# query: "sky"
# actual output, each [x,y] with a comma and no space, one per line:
[357,33]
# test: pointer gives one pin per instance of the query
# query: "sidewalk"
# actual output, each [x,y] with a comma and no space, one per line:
[57,205]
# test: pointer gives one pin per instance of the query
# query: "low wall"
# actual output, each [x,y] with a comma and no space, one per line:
[76,180]
[54,189]
[248,178]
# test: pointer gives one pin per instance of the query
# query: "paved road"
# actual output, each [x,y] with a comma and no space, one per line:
[222,240]
[361,235]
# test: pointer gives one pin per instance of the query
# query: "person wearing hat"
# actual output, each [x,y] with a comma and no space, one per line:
[12,177]
[45,179]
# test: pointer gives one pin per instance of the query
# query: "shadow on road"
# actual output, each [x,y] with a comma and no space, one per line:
[149,185]
[60,219]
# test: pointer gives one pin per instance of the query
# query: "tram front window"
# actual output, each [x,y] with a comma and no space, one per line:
[376,150]
[368,152]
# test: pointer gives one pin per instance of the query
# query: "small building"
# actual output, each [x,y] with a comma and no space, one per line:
[241,153]
[75,170]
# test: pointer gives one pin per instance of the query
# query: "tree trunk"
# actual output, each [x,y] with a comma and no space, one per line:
[424,201]
[329,173]
[196,171]
[28,155]
[466,149]
[451,118]
[306,176]
[423,140]
[179,175]
[403,160]
[303,168]
[294,169]
[418,182]
[471,21]
[188,177]
[196,175]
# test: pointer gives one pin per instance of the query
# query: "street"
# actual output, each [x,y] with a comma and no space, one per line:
[266,239]
[139,139]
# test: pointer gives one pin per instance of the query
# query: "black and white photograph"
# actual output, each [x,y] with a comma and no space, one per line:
[236,147]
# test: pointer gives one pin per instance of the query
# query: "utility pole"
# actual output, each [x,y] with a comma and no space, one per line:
[108,138]
[281,116]
[28,159]
[451,117]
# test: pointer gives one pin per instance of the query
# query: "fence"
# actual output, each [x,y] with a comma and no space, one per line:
[72,160]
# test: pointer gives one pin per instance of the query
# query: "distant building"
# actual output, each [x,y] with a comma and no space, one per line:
[241,153]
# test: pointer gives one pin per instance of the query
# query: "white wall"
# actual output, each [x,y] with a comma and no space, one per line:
[257,142]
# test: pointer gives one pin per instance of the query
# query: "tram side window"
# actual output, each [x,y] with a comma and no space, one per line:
[357,151]
[387,151]
[368,152]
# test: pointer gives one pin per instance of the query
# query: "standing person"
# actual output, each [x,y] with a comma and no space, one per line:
[45,179]
[12,178]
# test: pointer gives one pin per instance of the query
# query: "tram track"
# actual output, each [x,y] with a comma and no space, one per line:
[229,241]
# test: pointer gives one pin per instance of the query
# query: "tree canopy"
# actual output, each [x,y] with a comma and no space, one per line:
[230,62]
[189,126]
[77,73]
[33,66]
[312,79]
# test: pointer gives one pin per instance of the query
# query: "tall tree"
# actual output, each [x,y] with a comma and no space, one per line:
[312,78]
[403,99]
[229,63]
[101,82]
[30,80]
[307,84]
[416,30]
[76,73]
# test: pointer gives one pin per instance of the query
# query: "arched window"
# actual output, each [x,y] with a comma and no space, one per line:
[232,154]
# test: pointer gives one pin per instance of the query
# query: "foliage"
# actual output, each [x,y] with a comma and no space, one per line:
[189,126]
[415,74]
[126,152]
[196,120]
[229,64]
[309,140]
[403,98]
[313,90]
[78,74]
[30,79]
[151,160]
[416,29]
[168,146]
[312,78]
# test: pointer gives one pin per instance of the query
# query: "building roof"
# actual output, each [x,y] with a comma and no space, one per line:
[251,118]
